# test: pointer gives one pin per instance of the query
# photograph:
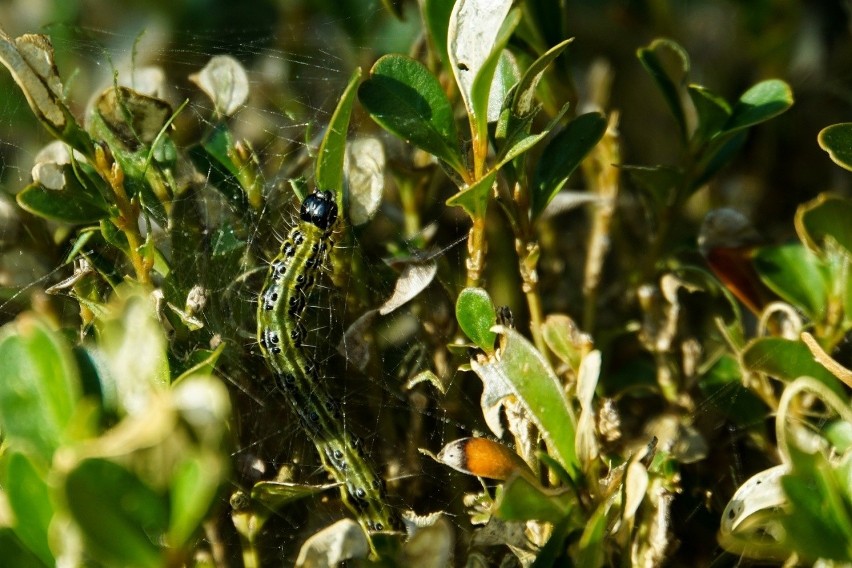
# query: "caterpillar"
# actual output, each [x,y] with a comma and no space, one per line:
[280,332]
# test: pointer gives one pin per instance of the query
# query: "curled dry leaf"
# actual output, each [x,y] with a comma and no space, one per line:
[29,59]
[413,280]
[344,540]
[225,81]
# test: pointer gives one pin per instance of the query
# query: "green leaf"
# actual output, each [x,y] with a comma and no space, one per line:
[404,97]
[713,111]
[718,157]
[39,386]
[826,217]
[562,156]
[134,349]
[436,17]
[474,199]
[193,489]
[837,141]
[329,164]
[591,547]
[524,97]
[276,494]
[476,316]
[29,498]
[521,370]
[760,103]
[15,554]
[520,500]
[787,360]
[122,519]
[74,203]
[796,275]
[819,522]
[668,64]
[516,142]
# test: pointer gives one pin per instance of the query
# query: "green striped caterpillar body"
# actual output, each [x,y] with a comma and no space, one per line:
[280,332]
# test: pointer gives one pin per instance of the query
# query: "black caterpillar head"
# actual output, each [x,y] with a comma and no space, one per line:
[319,209]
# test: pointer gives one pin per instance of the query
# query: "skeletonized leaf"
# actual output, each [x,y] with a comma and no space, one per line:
[29,59]
[365,171]
[471,38]
[224,80]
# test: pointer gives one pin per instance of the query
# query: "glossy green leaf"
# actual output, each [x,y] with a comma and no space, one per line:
[516,141]
[474,199]
[819,523]
[29,499]
[562,156]
[193,489]
[761,102]
[39,386]
[668,64]
[521,500]
[713,111]
[15,554]
[560,333]
[521,370]
[72,204]
[332,150]
[837,141]
[476,316]
[796,275]
[405,98]
[122,519]
[826,217]
[524,97]
[787,360]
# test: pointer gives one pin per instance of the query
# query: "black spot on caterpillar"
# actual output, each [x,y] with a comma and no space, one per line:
[280,333]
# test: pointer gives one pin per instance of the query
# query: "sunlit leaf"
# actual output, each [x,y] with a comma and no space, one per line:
[122,519]
[225,82]
[823,218]
[760,103]
[405,98]
[751,521]
[476,27]
[796,275]
[713,111]
[28,497]
[521,370]
[786,360]
[474,199]
[522,500]
[476,316]
[837,141]
[332,150]
[39,386]
[524,97]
